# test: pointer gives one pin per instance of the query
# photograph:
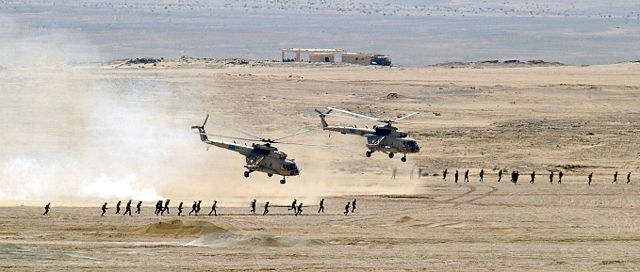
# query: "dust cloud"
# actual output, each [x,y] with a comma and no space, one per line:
[67,135]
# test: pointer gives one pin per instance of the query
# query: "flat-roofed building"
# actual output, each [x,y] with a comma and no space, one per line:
[356,58]
[321,57]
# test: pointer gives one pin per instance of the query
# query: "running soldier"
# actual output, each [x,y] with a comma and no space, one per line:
[193,208]
[466,176]
[589,178]
[551,177]
[46,208]
[138,207]
[615,178]
[353,206]
[321,208]
[299,211]
[166,206]
[533,177]
[118,207]
[481,175]
[629,178]
[455,177]
[293,206]
[266,209]
[444,175]
[180,209]
[346,208]
[213,208]
[253,206]
[127,208]
[158,207]
[560,177]
[500,175]
[104,208]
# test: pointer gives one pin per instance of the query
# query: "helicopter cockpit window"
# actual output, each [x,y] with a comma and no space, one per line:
[289,167]
[409,143]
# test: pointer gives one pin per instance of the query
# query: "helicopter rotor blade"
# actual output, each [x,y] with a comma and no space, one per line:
[255,138]
[291,135]
[349,117]
[290,143]
[228,137]
[205,120]
[407,116]
[356,114]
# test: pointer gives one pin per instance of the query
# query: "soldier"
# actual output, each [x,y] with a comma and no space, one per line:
[158,207]
[629,178]
[560,177]
[213,208]
[589,178]
[481,175]
[444,175]
[46,208]
[516,175]
[266,209]
[104,208]
[118,207]
[533,177]
[551,177]
[127,208]
[293,206]
[321,208]
[193,208]
[455,177]
[180,208]
[346,208]
[166,206]
[500,175]
[353,206]
[299,211]
[466,176]
[138,207]
[198,207]
[513,177]
[615,178]
[253,206]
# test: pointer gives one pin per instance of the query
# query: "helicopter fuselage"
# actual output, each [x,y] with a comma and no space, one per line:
[261,158]
[386,139]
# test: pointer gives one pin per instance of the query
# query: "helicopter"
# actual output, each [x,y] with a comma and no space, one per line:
[384,138]
[260,157]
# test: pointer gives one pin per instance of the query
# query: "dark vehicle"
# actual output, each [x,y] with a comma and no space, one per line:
[380,60]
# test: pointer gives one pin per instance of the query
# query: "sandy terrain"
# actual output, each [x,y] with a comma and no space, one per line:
[114,131]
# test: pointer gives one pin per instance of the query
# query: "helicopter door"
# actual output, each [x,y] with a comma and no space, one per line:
[253,160]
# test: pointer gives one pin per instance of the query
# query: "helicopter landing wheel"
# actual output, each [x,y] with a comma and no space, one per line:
[368,154]
[391,155]
[403,159]
[282,181]
[246,174]
[269,175]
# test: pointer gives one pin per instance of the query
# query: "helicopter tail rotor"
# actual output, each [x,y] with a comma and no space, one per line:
[322,116]
[203,135]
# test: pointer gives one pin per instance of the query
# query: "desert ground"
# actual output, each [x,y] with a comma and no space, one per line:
[120,130]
